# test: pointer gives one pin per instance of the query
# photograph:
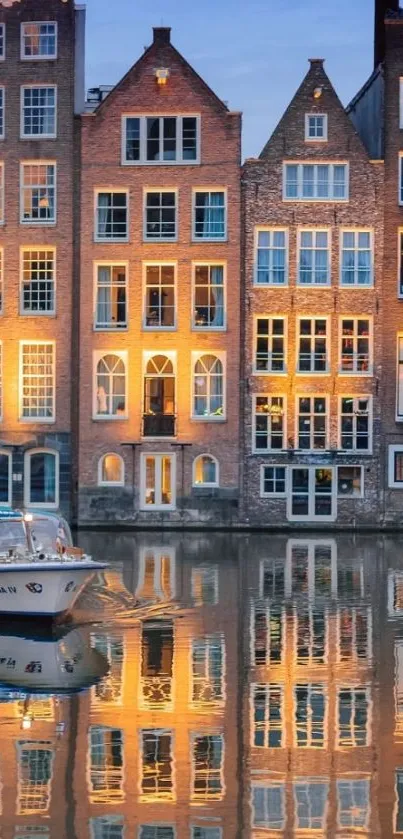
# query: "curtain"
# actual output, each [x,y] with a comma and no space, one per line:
[104,302]
[215,214]
[217,296]
[104,213]
[49,478]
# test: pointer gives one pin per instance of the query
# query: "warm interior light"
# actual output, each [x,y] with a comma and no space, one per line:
[26,722]
[44,202]
[317,92]
[28,517]
[162,75]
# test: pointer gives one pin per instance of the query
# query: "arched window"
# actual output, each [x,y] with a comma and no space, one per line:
[159,397]
[111,470]
[208,387]
[205,471]
[110,385]
[5,478]
[41,479]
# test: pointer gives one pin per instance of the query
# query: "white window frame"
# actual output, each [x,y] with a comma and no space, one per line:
[38,86]
[362,481]
[314,231]
[399,366]
[146,797]
[111,263]
[269,495]
[310,613]
[29,792]
[396,809]
[355,372]
[216,796]
[36,419]
[308,137]
[311,516]
[270,337]
[267,824]
[216,483]
[160,263]
[158,555]
[356,231]
[3,112]
[221,356]
[271,231]
[312,415]
[270,397]
[207,642]
[217,263]
[148,355]
[354,612]
[268,689]
[179,161]
[101,482]
[299,197]
[305,784]
[96,358]
[400,262]
[312,337]
[311,547]
[354,822]
[111,778]
[158,456]
[9,456]
[205,571]
[392,451]
[313,688]
[26,23]
[210,189]
[3,40]
[1,282]
[111,191]
[147,190]
[353,688]
[2,194]
[400,178]
[209,831]
[107,822]
[27,478]
[31,222]
[357,398]
[37,249]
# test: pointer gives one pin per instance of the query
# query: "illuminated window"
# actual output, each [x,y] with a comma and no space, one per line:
[38,40]
[315,182]
[269,423]
[311,637]
[355,423]
[111,470]
[207,670]
[314,257]
[38,111]
[38,281]
[5,478]
[159,418]
[109,690]
[399,382]
[111,216]
[350,481]
[161,139]
[268,722]
[156,831]
[38,192]
[160,215]
[156,574]
[208,387]
[312,422]
[400,178]
[41,487]
[268,806]
[353,717]
[107,827]
[208,297]
[110,385]
[111,297]
[158,482]
[396,467]
[353,803]
[273,481]
[310,714]
[210,215]
[157,765]
[356,346]
[207,767]
[157,650]
[106,764]
[267,635]
[354,634]
[312,494]
[271,263]
[356,258]
[270,347]
[312,345]
[2,112]
[37,381]
[35,770]
[2,41]
[316,127]
[400,246]
[310,800]
[205,471]
[159,297]
[205,585]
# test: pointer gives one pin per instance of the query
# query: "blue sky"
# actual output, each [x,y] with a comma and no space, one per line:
[253,53]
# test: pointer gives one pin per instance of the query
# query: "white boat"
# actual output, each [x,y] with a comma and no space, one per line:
[41,573]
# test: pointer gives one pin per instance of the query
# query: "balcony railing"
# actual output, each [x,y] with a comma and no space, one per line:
[156,691]
[159,425]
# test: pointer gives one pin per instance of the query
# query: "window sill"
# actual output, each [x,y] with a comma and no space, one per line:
[37,137]
[37,420]
[110,418]
[117,484]
[317,375]
[207,239]
[135,163]
[314,285]
[315,519]
[32,223]
[202,329]
[160,240]
[37,314]
[208,419]
[110,328]
[270,285]
[355,373]
[38,58]
[315,201]
[111,241]
[356,287]
[269,373]
[158,439]
[157,508]
[277,495]
[159,328]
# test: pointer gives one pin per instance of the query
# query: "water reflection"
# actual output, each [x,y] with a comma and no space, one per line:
[252,687]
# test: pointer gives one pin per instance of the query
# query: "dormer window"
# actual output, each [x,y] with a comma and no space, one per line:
[316,127]
[160,140]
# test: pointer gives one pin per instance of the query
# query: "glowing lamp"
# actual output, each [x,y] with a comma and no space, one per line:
[317,92]
[26,722]
[162,75]
[28,517]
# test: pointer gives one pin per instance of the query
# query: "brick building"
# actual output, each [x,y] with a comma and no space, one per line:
[159,298]
[41,83]
[313,318]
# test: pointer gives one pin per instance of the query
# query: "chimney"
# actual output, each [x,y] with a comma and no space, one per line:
[382,7]
[162,35]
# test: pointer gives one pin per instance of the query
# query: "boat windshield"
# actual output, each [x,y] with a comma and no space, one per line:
[12,535]
[48,533]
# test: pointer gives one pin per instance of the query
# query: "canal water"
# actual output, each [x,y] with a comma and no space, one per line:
[211,687]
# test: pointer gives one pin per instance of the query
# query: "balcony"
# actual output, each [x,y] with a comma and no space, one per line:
[156,691]
[159,425]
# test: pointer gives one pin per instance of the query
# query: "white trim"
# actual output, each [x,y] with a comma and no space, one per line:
[97,355]
[109,263]
[31,221]
[24,136]
[37,420]
[328,337]
[357,373]
[153,797]
[215,483]
[203,798]
[158,554]
[311,496]
[24,57]
[2,194]
[401,102]
[356,231]
[299,198]
[351,466]
[308,138]
[400,262]
[1,379]
[158,458]
[269,495]
[314,231]
[9,456]
[284,318]
[311,546]
[1,282]
[3,93]
[392,451]
[33,312]
[216,263]
[210,189]
[159,263]
[356,398]
[102,483]
[111,190]
[3,54]
[221,355]
[312,397]
[27,478]
[179,161]
[269,396]
[269,229]
[400,179]
[160,190]
[399,398]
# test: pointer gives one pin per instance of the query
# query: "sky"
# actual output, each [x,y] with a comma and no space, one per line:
[253,53]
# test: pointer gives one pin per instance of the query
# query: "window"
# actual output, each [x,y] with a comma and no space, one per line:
[268,629]
[207,767]
[399,383]
[1,193]
[110,385]
[38,40]
[312,422]
[400,267]
[311,569]
[312,492]
[310,711]
[399,802]
[353,717]
[311,639]
[37,381]
[38,281]
[38,192]
[401,103]
[208,671]
[5,478]
[205,471]
[156,831]
[354,629]
[270,348]
[109,690]
[106,764]
[209,297]
[111,216]
[316,182]
[272,481]
[157,651]
[210,215]
[41,488]
[272,577]
[356,258]
[310,800]
[268,803]
[316,127]
[205,585]
[268,722]
[355,424]
[350,481]
[199,832]
[158,484]
[400,177]
[314,257]
[107,827]
[156,574]
[272,257]
[1,379]
[269,423]
[2,41]
[159,291]
[160,216]
[159,418]
[38,111]
[312,346]
[396,467]
[35,771]
[111,470]
[208,388]
[163,140]
[356,346]
[2,112]
[157,765]
[110,296]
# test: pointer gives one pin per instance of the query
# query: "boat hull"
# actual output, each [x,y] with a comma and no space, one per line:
[50,590]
